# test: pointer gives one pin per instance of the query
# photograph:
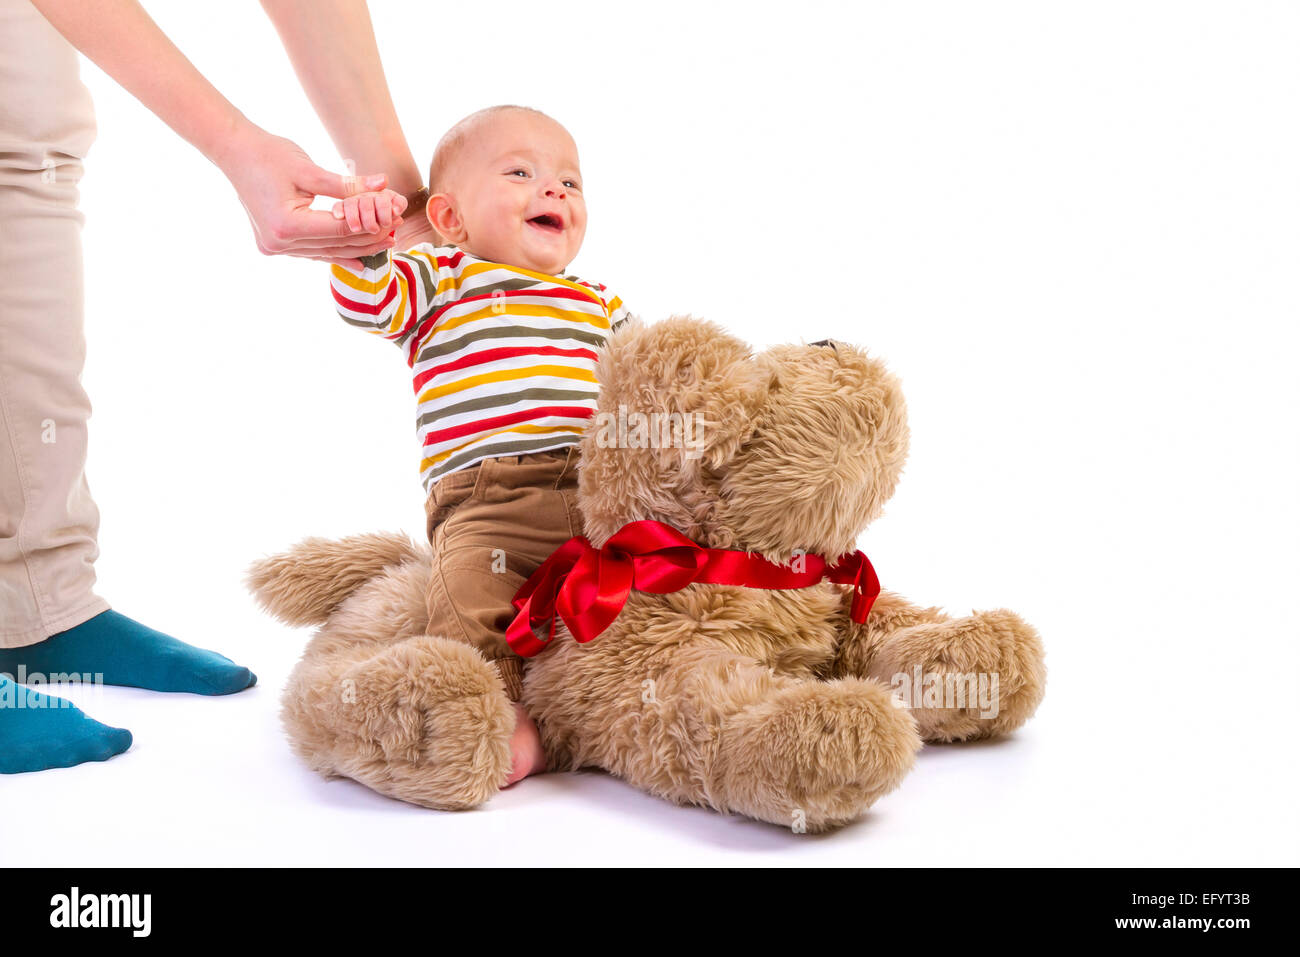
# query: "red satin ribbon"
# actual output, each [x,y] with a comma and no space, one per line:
[587,587]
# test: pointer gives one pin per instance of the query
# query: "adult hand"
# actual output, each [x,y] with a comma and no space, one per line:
[277,181]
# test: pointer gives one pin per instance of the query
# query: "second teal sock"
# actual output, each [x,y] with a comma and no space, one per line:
[38,732]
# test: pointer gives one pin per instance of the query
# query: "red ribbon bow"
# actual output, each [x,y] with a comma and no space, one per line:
[588,587]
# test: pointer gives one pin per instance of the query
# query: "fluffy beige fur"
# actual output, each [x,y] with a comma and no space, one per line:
[771,704]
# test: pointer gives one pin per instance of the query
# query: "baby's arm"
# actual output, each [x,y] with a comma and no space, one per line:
[614,307]
[388,293]
[617,313]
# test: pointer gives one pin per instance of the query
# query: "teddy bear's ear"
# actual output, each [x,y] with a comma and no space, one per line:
[683,386]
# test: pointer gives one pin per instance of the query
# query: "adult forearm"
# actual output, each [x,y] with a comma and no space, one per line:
[123,40]
[331,44]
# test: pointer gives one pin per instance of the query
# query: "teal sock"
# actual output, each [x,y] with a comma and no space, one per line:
[118,650]
[38,731]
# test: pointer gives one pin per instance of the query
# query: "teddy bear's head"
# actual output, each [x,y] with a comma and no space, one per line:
[794,448]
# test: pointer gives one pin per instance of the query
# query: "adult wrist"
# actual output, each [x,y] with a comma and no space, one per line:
[415,202]
[234,145]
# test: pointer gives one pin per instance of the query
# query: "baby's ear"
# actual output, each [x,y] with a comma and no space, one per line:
[683,388]
[444,219]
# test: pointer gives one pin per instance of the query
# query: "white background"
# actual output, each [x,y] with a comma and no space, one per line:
[1070,228]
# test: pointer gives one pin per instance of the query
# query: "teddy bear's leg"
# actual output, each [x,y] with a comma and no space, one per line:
[424,719]
[962,678]
[700,724]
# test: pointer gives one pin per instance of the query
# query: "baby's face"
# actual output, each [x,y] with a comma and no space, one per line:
[516,192]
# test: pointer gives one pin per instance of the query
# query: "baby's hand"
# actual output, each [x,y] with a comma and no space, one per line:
[372,212]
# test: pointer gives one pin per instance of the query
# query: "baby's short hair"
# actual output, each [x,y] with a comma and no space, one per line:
[449,147]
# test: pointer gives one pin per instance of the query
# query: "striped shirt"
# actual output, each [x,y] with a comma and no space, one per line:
[503,358]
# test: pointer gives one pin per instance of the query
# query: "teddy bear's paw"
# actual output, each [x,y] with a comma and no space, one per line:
[425,721]
[815,755]
[965,678]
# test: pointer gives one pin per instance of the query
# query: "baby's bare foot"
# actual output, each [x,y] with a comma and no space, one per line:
[525,748]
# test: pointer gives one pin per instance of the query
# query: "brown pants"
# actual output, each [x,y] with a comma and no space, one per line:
[491,525]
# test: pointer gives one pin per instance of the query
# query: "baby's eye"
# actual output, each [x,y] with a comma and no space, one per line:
[572,184]
[513,171]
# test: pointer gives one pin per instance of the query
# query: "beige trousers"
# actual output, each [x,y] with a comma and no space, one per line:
[48,521]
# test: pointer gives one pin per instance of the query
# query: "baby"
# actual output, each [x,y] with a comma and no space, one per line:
[501,345]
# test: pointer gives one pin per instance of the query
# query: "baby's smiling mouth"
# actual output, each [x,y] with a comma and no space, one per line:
[548,222]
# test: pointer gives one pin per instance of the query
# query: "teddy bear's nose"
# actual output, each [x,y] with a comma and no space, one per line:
[824,342]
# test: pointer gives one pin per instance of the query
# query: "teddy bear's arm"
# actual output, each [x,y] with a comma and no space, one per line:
[994,658]
[859,643]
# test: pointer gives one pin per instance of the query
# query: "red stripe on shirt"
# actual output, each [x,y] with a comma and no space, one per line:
[362,307]
[500,421]
[405,267]
[561,292]
[492,355]
[429,321]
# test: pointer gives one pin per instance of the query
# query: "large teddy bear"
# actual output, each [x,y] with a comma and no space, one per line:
[784,704]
